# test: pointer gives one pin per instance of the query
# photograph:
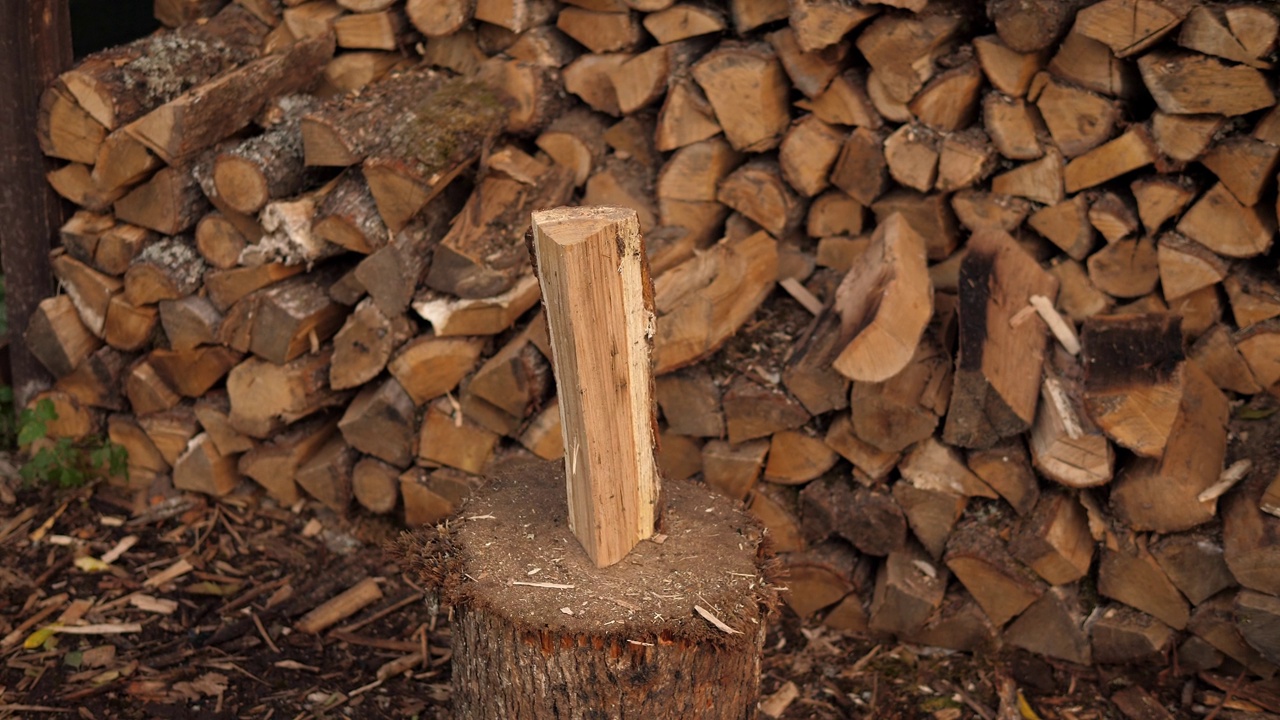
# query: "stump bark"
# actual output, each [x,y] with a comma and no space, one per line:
[540,632]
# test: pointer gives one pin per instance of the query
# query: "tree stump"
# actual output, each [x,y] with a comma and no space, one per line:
[540,632]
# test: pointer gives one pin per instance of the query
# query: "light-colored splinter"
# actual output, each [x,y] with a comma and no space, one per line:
[596,289]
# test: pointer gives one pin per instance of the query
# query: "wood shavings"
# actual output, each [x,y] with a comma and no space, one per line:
[551,586]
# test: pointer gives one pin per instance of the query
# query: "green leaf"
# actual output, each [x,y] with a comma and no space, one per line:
[30,432]
[45,410]
[1256,413]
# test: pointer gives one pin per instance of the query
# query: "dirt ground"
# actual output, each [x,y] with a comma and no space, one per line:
[187,607]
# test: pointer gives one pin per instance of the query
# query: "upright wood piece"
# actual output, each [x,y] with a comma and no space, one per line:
[599,302]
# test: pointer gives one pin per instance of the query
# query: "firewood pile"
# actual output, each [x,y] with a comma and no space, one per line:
[957,299]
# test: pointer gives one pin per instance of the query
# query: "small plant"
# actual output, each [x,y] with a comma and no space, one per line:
[65,462]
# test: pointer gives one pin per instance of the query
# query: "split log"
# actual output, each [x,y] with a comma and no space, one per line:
[590,77]
[1040,181]
[66,130]
[1054,540]
[58,337]
[201,468]
[432,497]
[872,461]
[1078,297]
[909,588]
[518,378]
[1253,297]
[1244,165]
[1134,578]
[1258,344]
[483,253]
[1067,226]
[1214,622]
[189,322]
[1132,150]
[90,291]
[703,301]
[171,430]
[758,191]
[426,152]
[169,203]
[684,20]
[1184,137]
[1114,216]
[997,371]
[391,273]
[884,303]
[1001,585]
[575,140]
[450,316]
[429,366]
[753,409]
[348,216]
[364,345]
[1009,71]
[295,316]
[1191,83]
[1221,223]
[966,159]
[129,327]
[901,49]
[212,413]
[845,102]
[543,436]
[747,87]
[219,108]
[1053,626]
[193,372]
[448,438]
[122,161]
[1014,125]
[1065,444]
[1006,468]
[97,381]
[343,133]
[911,152]
[690,402]
[145,462]
[148,393]
[1195,563]
[274,464]
[1123,635]
[226,287]
[1126,269]
[1128,26]
[733,468]
[327,475]
[1243,34]
[1134,379]
[819,577]
[119,246]
[119,84]
[266,397]
[906,408]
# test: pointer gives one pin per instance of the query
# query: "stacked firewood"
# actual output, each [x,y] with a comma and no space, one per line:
[956,299]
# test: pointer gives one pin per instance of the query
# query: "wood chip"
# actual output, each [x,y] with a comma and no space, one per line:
[1057,324]
[169,574]
[120,548]
[706,615]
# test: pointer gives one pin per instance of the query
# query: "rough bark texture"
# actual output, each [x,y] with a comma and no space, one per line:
[517,654]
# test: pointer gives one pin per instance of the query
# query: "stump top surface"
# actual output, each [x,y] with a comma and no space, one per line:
[516,530]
